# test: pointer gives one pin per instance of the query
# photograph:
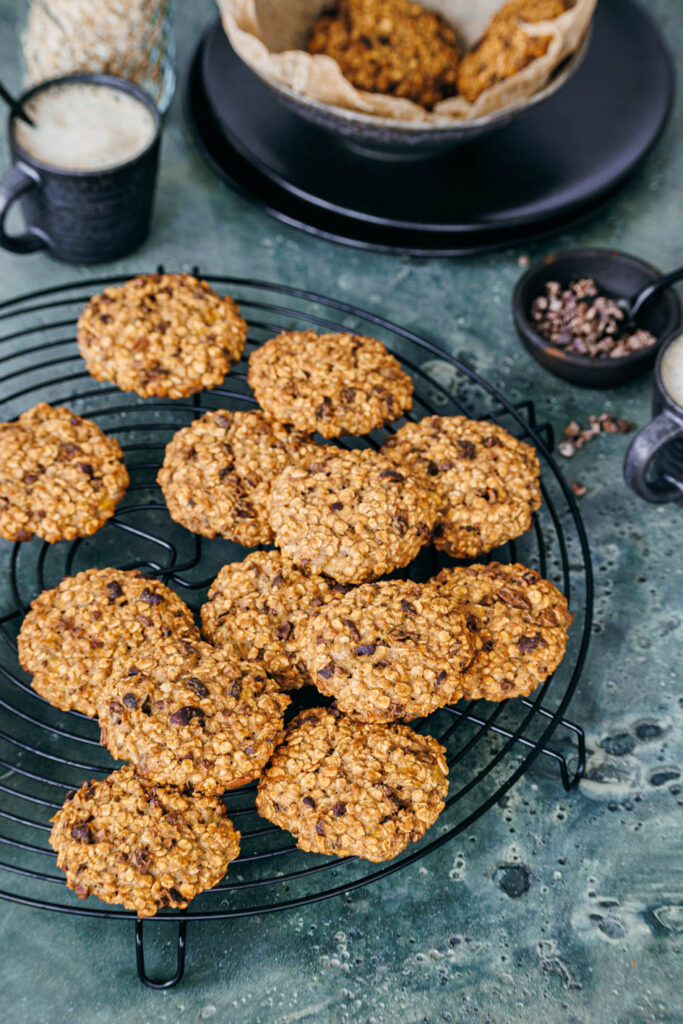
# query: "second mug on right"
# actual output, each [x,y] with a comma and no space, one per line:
[653,466]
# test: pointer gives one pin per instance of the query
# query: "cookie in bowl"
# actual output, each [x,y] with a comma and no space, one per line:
[506,47]
[395,47]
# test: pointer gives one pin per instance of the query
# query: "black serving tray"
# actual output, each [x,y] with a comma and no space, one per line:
[556,163]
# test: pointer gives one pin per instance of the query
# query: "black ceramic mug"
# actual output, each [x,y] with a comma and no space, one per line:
[81,216]
[660,443]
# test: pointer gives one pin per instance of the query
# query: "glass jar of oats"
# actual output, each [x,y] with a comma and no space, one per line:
[130,38]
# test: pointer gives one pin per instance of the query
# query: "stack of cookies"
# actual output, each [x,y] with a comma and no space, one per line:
[195,717]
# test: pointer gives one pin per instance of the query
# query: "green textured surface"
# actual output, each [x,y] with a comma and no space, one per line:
[565,908]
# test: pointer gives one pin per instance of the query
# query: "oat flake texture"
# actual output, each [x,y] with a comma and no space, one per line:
[388,650]
[519,622]
[255,609]
[352,515]
[330,383]
[485,480]
[190,716]
[353,789]
[168,335]
[69,637]
[217,473]
[60,476]
[143,846]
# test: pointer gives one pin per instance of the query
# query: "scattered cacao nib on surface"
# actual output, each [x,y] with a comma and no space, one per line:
[575,436]
[578,489]
[580,320]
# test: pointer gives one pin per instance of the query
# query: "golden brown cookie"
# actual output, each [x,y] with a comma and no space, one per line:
[161,334]
[352,789]
[506,47]
[519,622]
[217,473]
[387,650]
[69,637]
[330,383]
[486,481]
[146,847]
[390,46]
[255,608]
[351,515]
[188,715]
[60,476]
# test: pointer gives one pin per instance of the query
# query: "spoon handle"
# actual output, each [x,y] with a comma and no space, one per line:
[653,288]
[14,105]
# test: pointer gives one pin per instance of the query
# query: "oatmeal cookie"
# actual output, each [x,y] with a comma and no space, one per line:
[188,715]
[168,335]
[391,46]
[127,841]
[217,473]
[333,383]
[350,515]
[388,650]
[519,621]
[486,481]
[350,788]
[506,47]
[255,607]
[60,476]
[70,635]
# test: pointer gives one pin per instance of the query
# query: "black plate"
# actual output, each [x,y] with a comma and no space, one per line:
[532,177]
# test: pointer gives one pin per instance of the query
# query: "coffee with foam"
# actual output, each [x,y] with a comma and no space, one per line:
[671,370]
[82,126]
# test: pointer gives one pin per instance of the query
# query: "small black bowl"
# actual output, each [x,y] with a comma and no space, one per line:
[618,273]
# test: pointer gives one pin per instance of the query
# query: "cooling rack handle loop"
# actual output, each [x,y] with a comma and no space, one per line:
[140,957]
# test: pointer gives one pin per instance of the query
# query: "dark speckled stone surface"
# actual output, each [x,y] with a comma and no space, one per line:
[561,908]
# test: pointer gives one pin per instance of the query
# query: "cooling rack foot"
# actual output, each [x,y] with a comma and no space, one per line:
[140,957]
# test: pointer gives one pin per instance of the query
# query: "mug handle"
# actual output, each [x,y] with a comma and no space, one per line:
[642,450]
[19,179]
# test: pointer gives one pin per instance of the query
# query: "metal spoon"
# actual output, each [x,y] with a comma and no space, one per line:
[14,105]
[632,307]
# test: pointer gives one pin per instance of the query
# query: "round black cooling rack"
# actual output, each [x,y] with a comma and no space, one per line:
[45,752]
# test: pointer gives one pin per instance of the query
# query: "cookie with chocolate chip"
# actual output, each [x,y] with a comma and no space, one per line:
[353,789]
[506,47]
[330,383]
[390,46]
[217,473]
[485,480]
[352,515]
[387,650]
[61,477]
[143,846]
[69,637]
[255,608]
[190,716]
[168,335]
[519,623]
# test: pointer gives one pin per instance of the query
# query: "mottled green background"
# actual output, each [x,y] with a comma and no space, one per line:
[557,908]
